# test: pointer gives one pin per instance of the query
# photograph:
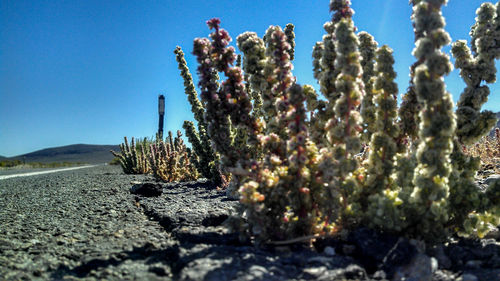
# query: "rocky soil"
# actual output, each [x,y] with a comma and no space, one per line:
[99,224]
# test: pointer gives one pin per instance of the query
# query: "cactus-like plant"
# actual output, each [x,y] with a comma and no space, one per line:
[290,38]
[202,157]
[254,62]
[368,47]
[488,150]
[133,158]
[343,128]
[216,105]
[437,127]
[296,158]
[284,179]
[475,68]
[207,164]
[170,160]
[380,194]
[411,106]
[232,127]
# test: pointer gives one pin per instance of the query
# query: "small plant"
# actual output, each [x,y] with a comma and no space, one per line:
[170,161]
[488,150]
[114,161]
[133,158]
[476,67]
[205,158]
[10,163]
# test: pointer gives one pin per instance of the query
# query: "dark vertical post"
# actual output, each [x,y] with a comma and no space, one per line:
[161,112]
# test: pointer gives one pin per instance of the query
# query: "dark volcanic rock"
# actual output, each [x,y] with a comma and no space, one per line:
[147,189]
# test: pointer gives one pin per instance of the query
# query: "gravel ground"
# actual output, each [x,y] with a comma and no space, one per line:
[97,224]
[80,224]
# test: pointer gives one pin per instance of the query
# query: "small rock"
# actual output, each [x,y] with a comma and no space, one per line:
[37,273]
[119,233]
[468,277]
[419,245]
[494,233]
[444,275]
[329,251]
[232,193]
[355,272]
[442,259]
[434,264]
[315,271]
[147,189]
[457,254]
[401,254]
[348,249]
[258,271]
[419,268]
[283,249]
[319,259]
[379,275]
[491,179]
[159,270]
[494,262]
[475,264]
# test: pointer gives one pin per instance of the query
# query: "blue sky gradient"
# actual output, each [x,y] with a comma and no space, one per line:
[91,71]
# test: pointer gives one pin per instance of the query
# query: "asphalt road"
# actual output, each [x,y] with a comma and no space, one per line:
[12,173]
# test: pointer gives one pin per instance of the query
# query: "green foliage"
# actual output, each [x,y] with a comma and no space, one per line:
[368,47]
[437,126]
[475,67]
[487,149]
[379,197]
[10,163]
[115,161]
[295,157]
[290,38]
[134,157]
[342,129]
[204,157]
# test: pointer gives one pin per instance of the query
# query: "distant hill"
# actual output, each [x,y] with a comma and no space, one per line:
[86,153]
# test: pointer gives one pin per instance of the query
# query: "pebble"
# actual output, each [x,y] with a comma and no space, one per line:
[329,251]
[491,179]
[468,277]
[348,249]
[474,264]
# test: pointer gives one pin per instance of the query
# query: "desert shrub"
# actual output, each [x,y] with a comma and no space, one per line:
[170,161]
[133,158]
[204,157]
[487,149]
[295,157]
[114,161]
[10,163]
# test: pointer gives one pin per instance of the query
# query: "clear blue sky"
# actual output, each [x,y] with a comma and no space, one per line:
[91,71]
